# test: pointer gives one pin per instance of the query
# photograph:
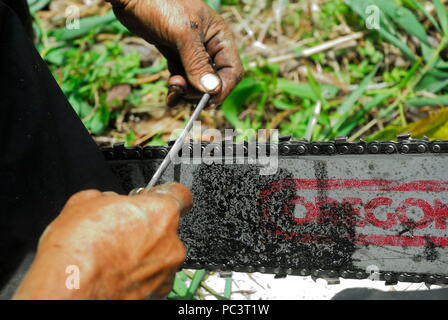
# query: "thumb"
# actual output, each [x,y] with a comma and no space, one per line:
[180,193]
[197,65]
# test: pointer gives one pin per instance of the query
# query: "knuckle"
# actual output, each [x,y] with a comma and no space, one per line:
[82,196]
[217,21]
[170,205]
[180,250]
[175,252]
[240,72]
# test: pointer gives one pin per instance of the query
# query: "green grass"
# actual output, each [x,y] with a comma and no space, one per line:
[88,70]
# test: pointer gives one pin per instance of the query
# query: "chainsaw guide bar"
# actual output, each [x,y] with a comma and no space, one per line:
[355,210]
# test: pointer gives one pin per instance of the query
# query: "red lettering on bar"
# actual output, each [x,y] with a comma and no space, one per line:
[311,210]
[412,202]
[321,210]
[370,213]
[440,214]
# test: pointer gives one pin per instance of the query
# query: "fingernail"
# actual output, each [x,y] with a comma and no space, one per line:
[210,82]
[163,188]
[176,89]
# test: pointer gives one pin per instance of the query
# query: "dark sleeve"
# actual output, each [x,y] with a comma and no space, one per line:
[46,154]
[20,7]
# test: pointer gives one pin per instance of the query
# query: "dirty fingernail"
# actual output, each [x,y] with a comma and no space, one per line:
[176,89]
[210,82]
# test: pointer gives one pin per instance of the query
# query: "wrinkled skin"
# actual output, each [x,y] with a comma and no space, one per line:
[125,247]
[194,39]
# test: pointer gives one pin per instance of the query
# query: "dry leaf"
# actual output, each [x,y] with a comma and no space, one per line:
[118,92]
[148,129]
[434,127]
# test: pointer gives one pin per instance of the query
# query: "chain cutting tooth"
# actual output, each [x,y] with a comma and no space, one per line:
[343,139]
[284,138]
[404,137]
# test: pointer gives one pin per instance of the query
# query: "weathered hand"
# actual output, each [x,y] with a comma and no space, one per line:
[195,40]
[125,247]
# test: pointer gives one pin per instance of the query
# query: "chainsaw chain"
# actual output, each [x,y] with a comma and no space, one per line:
[287,147]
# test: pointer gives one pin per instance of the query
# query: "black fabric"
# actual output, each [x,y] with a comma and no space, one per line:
[46,154]
[20,8]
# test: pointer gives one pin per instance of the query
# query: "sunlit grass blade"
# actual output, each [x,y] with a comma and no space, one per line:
[357,118]
[432,84]
[36,5]
[404,18]
[439,101]
[179,290]
[195,283]
[359,6]
[86,25]
[315,86]
[152,69]
[347,106]
[228,288]
[304,91]
[442,14]
[214,4]
[419,6]
[235,102]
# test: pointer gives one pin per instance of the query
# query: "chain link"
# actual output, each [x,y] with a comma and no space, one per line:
[287,147]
